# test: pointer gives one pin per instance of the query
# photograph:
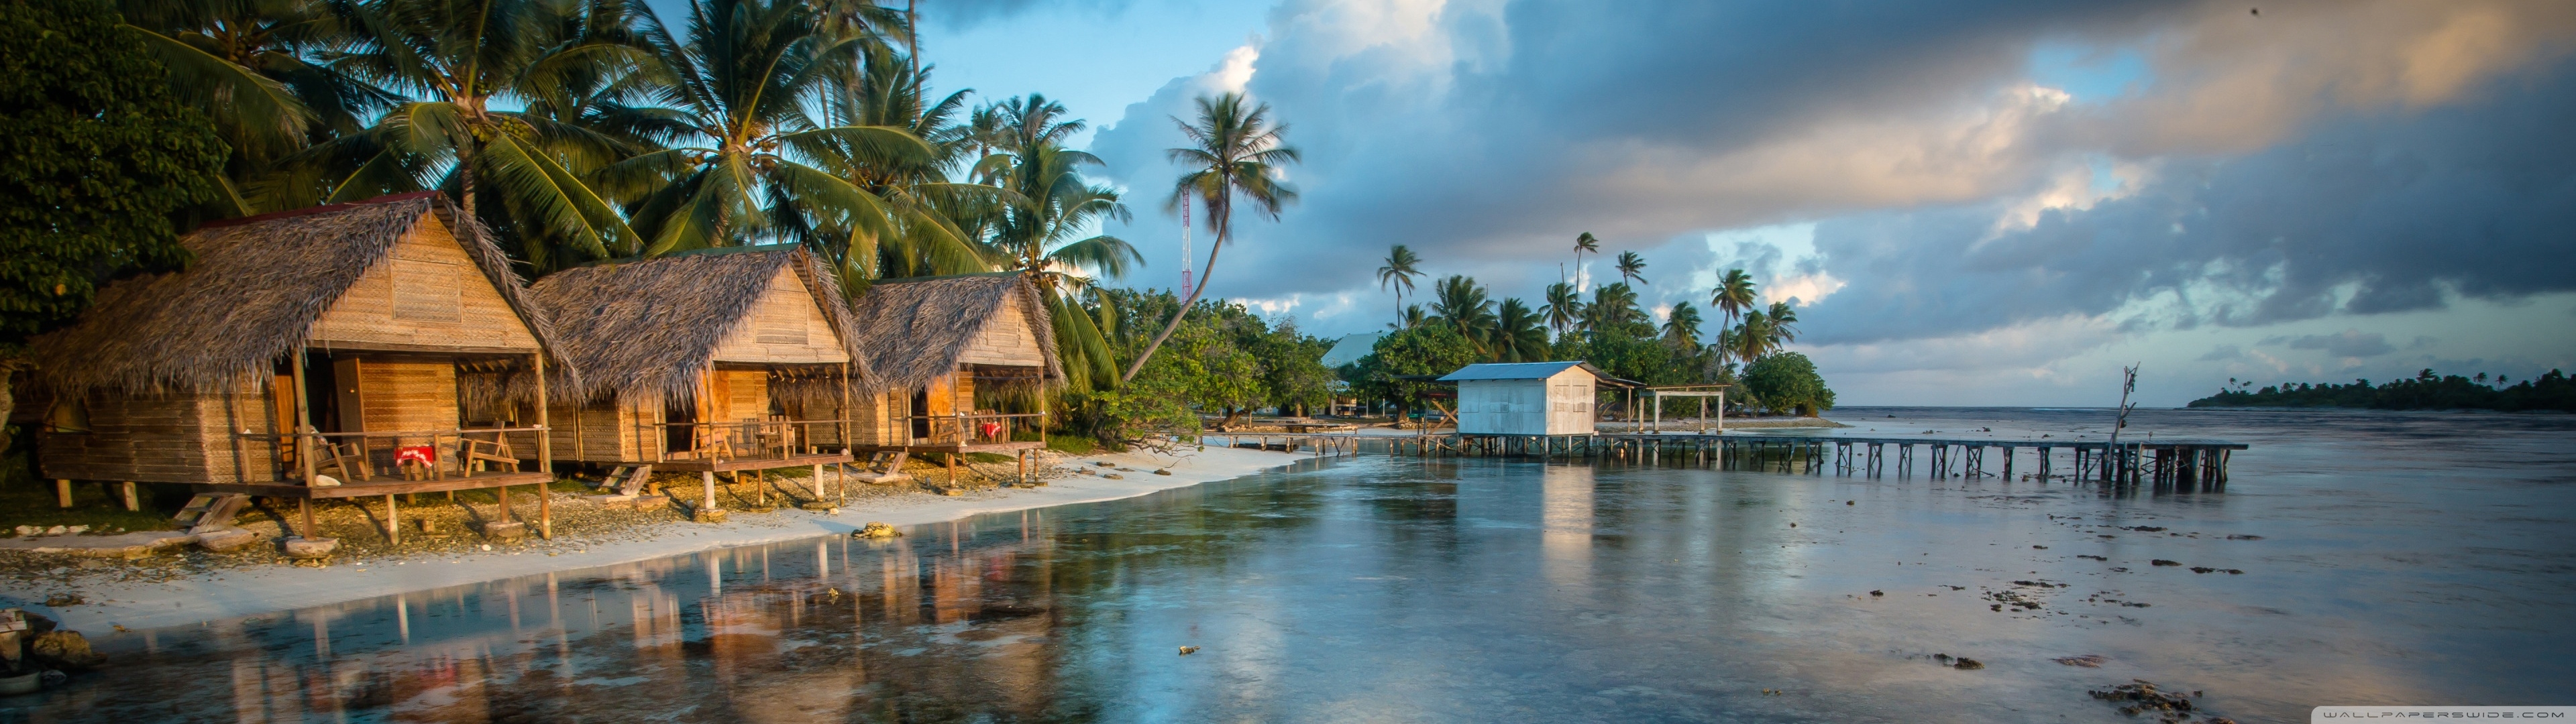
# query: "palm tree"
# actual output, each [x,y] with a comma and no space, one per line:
[935,220]
[1754,337]
[1236,152]
[1413,316]
[1681,326]
[1582,243]
[1632,267]
[1564,307]
[1460,302]
[1398,273]
[1613,305]
[1519,333]
[249,65]
[1734,294]
[740,83]
[1782,325]
[456,58]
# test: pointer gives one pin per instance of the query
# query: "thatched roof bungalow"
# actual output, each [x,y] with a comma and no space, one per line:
[950,356]
[726,359]
[363,321]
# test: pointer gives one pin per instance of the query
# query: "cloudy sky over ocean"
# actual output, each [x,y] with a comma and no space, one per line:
[1973,203]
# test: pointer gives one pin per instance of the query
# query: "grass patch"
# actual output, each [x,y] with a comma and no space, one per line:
[1063,442]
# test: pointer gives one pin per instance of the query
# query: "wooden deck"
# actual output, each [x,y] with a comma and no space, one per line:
[754,463]
[379,486]
[999,448]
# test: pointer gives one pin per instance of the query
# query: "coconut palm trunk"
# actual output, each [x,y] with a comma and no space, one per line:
[1237,151]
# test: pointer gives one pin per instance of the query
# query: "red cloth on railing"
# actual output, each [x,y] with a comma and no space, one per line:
[423,454]
[991,430]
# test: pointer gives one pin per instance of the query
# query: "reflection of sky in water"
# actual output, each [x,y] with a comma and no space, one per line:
[2404,560]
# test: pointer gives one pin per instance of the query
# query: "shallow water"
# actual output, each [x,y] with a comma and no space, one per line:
[2402,559]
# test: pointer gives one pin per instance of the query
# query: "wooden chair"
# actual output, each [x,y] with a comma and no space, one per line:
[773,436]
[710,442]
[350,458]
[472,453]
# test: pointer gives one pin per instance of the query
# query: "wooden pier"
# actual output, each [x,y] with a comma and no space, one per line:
[2178,465]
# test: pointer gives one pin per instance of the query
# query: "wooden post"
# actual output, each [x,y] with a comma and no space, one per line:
[505,502]
[844,418]
[303,417]
[393,521]
[818,482]
[545,453]
[131,504]
[306,505]
[952,470]
[710,478]
[63,493]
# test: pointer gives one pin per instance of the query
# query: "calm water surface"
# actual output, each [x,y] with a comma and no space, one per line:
[2402,559]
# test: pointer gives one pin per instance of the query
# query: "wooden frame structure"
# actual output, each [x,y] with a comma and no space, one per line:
[935,345]
[724,360]
[353,336]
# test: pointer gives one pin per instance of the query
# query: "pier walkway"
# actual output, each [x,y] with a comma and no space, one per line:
[2180,465]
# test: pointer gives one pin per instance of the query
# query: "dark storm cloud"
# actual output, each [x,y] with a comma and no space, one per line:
[2348,343]
[963,14]
[2364,215]
[2292,164]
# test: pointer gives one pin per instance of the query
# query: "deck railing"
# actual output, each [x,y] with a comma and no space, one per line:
[974,428]
[397,454]
[749,439]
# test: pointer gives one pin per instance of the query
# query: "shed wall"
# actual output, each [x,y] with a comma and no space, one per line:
[176,438]
[1558,405]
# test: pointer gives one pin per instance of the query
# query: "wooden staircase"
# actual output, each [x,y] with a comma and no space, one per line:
[883,467]
[628,479]
[210,511]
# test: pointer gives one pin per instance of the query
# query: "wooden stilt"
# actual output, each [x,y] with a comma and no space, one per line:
[306,506]
[710,478]
[131,503]
[504,493]
[393,521]
[63,493]
[818,483]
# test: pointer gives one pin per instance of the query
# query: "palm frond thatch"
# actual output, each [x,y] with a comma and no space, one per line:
[257,286]
[647,328]
[917,329]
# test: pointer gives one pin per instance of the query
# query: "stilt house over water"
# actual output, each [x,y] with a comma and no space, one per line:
[370,326]
[961,361]
[1527,398]
[721,360]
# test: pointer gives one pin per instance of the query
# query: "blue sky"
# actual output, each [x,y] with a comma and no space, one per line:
[1973,203]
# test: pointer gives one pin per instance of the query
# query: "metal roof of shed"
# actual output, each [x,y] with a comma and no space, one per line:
[1525,371]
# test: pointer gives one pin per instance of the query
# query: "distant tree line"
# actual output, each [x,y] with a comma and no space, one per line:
[2426,391]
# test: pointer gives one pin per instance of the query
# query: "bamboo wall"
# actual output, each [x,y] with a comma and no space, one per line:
[1006,340]
[785,326]
[427,294]
[176,438]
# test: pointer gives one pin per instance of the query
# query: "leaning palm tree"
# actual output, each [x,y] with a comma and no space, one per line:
[1632,267]
[463,61]
[1402,265]
[1236,151]
[1582,243]
[1564,307]
[1681,326]
[741,80]
[1519,333]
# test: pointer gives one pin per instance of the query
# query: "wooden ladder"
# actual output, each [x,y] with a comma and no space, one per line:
[886,462]
[210,511]
[628,479]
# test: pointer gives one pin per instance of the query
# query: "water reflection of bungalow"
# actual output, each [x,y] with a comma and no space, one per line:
[715,361]
[377,328]
[964,359]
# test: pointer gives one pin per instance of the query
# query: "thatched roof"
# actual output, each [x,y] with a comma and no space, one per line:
[252,295]
[648,327]
[916,329]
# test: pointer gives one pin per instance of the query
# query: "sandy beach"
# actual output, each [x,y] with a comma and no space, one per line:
[239,591]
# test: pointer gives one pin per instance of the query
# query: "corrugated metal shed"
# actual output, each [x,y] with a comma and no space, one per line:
[1527,398]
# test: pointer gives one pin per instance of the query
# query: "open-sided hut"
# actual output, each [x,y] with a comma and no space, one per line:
[951,355]
[360,324]
[722,360]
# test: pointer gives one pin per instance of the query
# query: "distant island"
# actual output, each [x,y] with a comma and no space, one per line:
[2427,391]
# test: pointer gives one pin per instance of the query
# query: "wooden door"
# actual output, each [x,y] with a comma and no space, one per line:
[348,404]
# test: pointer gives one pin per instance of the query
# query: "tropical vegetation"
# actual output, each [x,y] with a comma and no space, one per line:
[2425,391]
